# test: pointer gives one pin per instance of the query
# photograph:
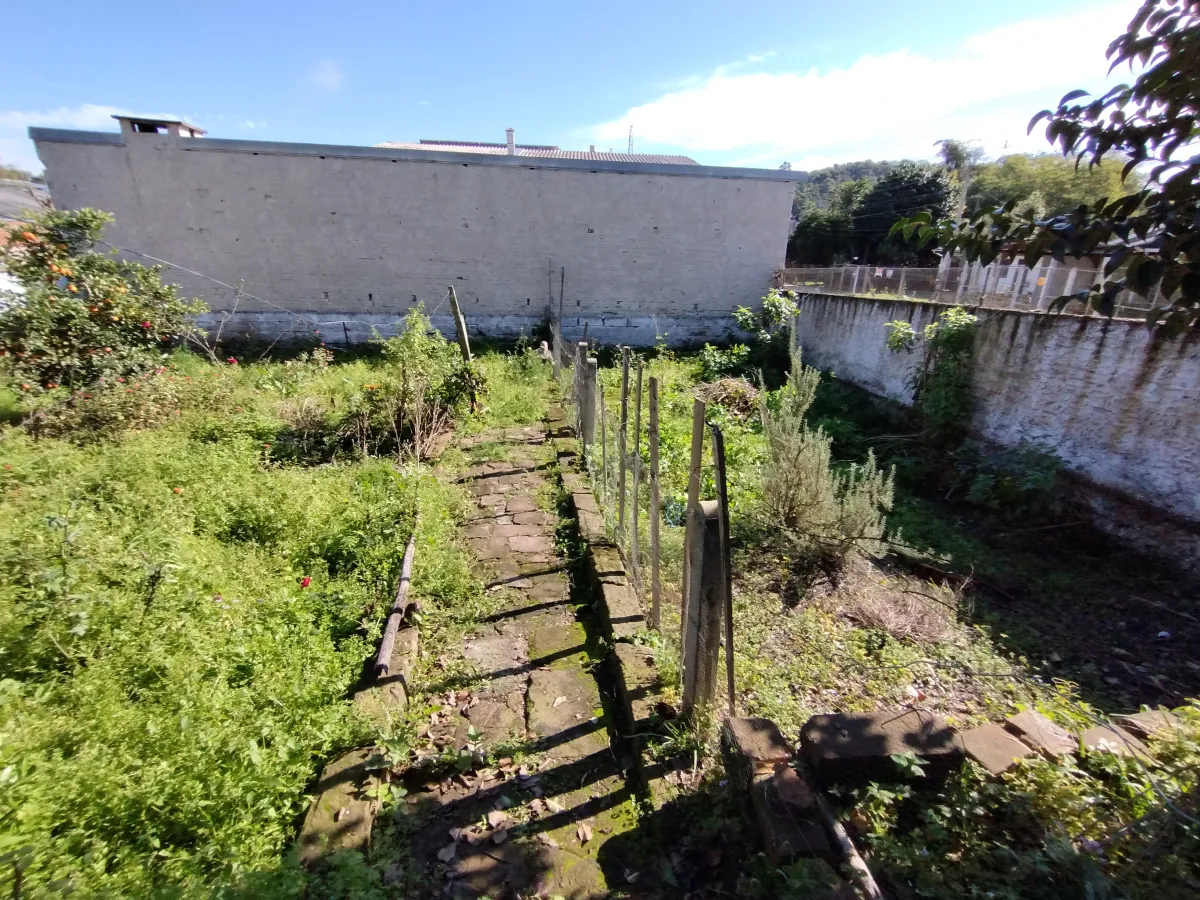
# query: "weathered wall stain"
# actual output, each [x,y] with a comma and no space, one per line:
[1116,403]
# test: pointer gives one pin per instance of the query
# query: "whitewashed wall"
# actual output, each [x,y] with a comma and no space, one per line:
[1121,408]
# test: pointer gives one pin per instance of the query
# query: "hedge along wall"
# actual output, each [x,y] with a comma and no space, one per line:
[1120,407]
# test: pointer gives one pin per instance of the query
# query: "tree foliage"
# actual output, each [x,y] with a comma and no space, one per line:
[82,314]
[824,237]
[907,189]
[1149,238]
[1059,184]
[818,190]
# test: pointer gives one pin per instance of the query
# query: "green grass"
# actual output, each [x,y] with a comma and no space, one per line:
[184,608]
[1040,614]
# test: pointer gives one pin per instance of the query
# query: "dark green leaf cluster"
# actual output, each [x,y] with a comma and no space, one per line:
[1149,238]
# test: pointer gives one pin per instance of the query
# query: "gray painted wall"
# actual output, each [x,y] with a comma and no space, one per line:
[1118,406]
[347,239]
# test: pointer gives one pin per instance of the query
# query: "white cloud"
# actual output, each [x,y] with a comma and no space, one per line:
[17,149]
[882,106]
[328,76]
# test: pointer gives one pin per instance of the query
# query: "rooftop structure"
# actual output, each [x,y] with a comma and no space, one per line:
[542,151]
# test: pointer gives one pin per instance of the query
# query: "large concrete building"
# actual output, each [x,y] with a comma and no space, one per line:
[346,239]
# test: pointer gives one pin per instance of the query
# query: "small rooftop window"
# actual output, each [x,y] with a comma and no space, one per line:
[158,125]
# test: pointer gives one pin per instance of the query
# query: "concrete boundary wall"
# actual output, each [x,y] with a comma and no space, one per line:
[328,234]
[1121,407]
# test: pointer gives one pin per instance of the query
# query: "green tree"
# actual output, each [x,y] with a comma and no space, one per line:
[817,191]
[822,238]
[13,173]
[81,314]
[909,188]
[1149,237]
[1063,186]
[961,160]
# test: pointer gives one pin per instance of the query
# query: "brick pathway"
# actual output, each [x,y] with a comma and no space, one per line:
[535,823]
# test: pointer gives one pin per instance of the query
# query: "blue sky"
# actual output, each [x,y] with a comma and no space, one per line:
[752,83]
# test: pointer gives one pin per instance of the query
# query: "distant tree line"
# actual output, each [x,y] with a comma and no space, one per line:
[846,211]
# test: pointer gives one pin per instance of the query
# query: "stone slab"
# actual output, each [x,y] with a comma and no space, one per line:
[994,748]
[787,816]
[758,741]
[624,610]
[1041,734]
[384,700]
[520,505]
[1149,722]
[340,817]
[561,704]
[639,680]
[1112,739]
[859,746]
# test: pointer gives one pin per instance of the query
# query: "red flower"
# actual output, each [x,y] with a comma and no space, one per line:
[146,325]
[231,361]
[305,581]
[177,490]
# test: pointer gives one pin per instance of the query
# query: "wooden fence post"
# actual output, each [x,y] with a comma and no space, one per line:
[726,558]
[636,462]
[556,339]
[603,413]
[655,509]
[588,406]
[580,376]
[702,619]
[693,497]
[460,325]
[464,343]
[621,437]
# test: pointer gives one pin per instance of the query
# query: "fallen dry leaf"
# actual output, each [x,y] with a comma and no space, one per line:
[496,818]
[554,806]
[559,701]
[500,837]
[584,832]
[448,852]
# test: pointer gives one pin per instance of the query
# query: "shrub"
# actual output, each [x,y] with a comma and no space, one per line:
[717,363]
[107,406]
[825,513]
[81,314]
[941,383]
[1020,483]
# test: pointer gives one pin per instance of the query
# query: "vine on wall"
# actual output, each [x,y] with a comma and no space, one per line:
[941,382]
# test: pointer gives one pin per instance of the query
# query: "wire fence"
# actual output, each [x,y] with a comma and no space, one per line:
[996,286]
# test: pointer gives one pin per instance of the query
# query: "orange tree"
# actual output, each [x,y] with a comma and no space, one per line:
[1150,239]
[81,314]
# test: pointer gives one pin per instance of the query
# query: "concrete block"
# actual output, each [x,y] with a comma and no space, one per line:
[624,610]
[639,680]
[858,746]
[994,748]
[758,741]
[1041,734]
[384,700]
[1112,739]
[1149,722]
[340,817]
[788,817]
